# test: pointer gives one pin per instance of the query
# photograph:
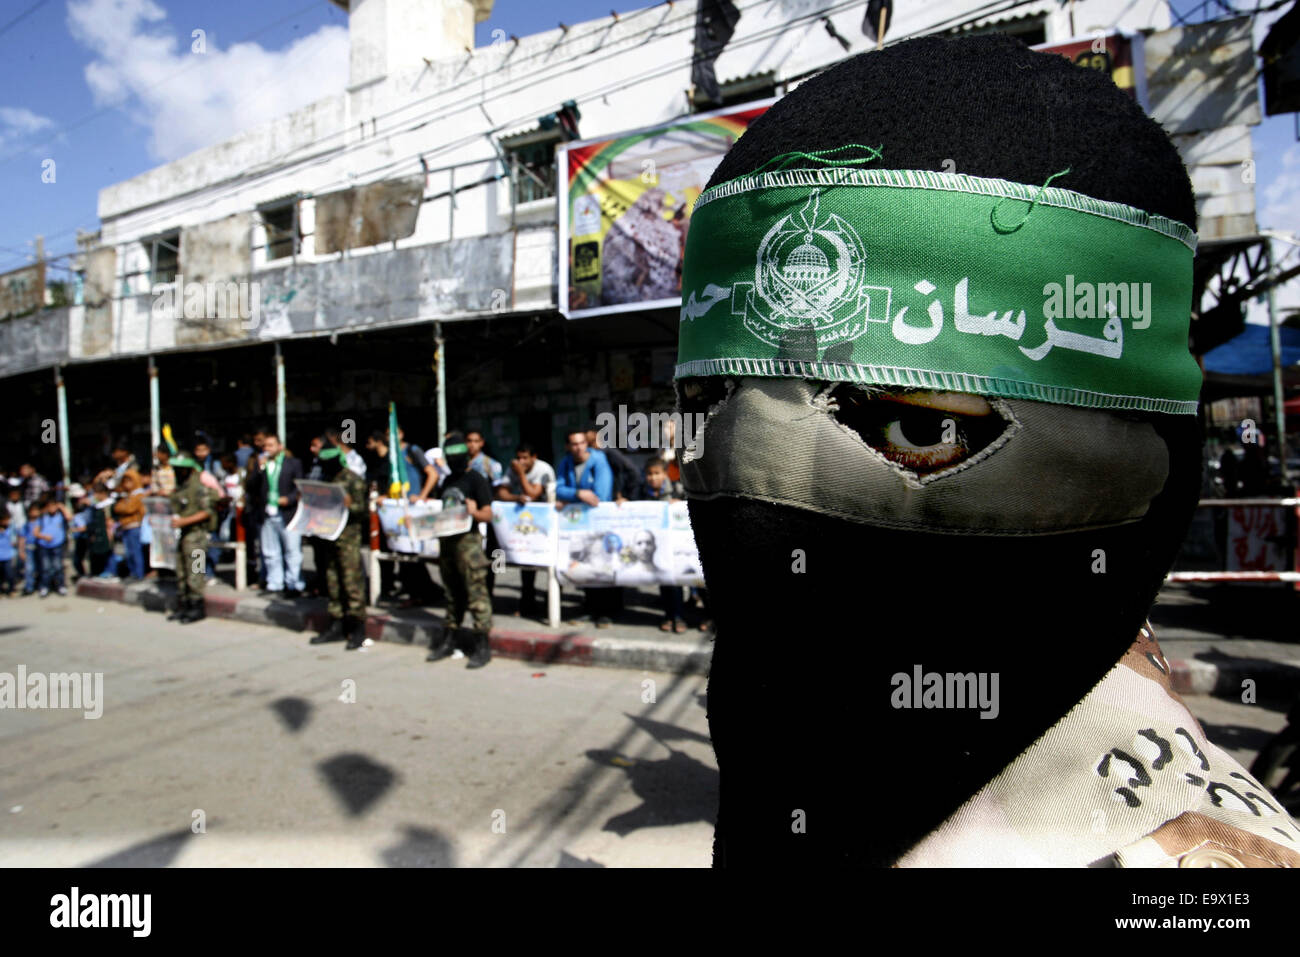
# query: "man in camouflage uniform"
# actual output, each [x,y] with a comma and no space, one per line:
[193,514]
[342,559]
[461,561]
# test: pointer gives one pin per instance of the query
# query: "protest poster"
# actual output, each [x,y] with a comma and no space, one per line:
[527,532]
[399,517]
[163,547]
[1256,537]
[635,543]
[322,511]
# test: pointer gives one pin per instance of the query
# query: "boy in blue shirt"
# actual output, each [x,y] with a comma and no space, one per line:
[30,554]
[51,540]
[9,546]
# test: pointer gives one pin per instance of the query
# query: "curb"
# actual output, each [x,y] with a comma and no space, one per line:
[422,628]
[1272,679]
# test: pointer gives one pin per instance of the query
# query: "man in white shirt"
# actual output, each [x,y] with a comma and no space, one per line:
[527,479]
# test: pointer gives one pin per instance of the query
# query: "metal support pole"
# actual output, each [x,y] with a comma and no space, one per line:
[440,370]
[279,395]
[552,582]
[64,450]
[1275,344]
[155,409]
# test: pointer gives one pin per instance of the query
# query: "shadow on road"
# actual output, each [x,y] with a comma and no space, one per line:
[156,852]
[357,781]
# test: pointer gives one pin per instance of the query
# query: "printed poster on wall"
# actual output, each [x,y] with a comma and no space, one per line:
[165,543]
[625,204]
[322,512]
[527,532]
[636,543]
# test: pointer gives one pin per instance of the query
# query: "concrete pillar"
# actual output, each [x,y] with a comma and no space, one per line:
[279,395]
[65,452]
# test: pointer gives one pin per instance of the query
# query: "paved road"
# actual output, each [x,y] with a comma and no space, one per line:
[428,766]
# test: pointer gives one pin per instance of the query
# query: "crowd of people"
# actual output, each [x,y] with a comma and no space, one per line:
[98,526]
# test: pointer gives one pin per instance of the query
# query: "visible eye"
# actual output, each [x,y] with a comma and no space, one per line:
[915,430]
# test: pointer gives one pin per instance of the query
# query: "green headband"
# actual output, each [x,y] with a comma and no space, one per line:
[913,278]
[460,448]
[330,453]
[181,460]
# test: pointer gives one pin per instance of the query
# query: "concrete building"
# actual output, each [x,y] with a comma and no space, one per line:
[345,239]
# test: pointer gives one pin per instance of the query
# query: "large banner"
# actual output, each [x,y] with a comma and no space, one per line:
[527,533]
[166,540]
[636,543]
[1118,55]
[322,512]
[625,204]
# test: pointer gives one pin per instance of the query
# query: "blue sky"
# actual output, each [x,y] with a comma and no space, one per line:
[110,88]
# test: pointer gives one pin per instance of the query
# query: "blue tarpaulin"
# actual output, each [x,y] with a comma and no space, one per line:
[1249,353]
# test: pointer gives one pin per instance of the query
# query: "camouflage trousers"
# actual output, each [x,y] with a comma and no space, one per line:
[344,567]
[191,554]
[464,570]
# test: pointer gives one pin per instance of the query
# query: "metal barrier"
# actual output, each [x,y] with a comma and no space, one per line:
[1247,576]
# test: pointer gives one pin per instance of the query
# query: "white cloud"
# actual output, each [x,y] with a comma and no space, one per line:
[145,65]
[17,123]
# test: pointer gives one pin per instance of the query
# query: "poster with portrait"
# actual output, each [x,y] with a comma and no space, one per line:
[163,547]
[407,526]
[322,511]
[624,206]
[632,544]
[527,532]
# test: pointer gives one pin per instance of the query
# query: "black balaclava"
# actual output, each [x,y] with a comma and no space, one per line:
[820,597]
[455,452]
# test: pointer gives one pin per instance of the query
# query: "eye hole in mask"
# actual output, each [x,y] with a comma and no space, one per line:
[923,432]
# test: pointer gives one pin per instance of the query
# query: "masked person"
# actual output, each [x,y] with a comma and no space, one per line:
[461,560]
[985,474]
[342,560]
[194,514]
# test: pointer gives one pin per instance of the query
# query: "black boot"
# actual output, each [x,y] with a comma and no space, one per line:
[196,612]
[444,646]
[333,633]
[355,628]
[482,652]
[181,610]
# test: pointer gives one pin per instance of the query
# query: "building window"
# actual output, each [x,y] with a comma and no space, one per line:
[531,159]
[283,231]
[164,258]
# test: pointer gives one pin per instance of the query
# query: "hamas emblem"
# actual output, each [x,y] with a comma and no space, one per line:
[808,276]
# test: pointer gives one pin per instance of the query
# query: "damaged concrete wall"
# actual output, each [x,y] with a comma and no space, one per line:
[34,342]
[368,215]
[22,290]
[446,281]
[214,261]
[96,337]
[1202,89]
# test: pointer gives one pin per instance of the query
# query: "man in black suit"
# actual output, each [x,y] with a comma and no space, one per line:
[273,495]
